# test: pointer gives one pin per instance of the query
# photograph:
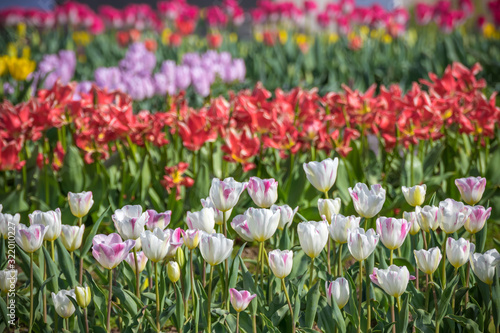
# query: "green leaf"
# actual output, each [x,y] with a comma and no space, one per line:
[88,241]
[67,265]
[235,266]
[445,299]
[469,324]
[312,305]
[402,323]
[52,271]
[337,316]
[72,171]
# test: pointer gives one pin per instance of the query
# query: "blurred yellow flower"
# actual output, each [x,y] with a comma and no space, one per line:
[412,36]
[165,36]
[12,50]
[333,37]
[300,39]
[233,37]
[3,65]
[82,38]
[20,68]
[26,52]
[489,31]
[364,31]
[283,36]
[21,30]
[387,39]
[259,37]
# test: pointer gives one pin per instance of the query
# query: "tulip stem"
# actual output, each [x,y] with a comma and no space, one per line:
[311,274]
[289,303]
[192,288]
[254,323]
[53,251]
[453,298]
[425,240]
[157,290]
[393,316]
[339,257]
[392,253]
[360,293]
[67,323]
[328,250]
[435,302]
[86,321]
[31,292]
[226,267]
[209,303]
[137,277]
[238,322]
[467,278]
[398,299]
[110,294]
[443,267]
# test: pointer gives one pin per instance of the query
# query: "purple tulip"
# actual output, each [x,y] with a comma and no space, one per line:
[240,299]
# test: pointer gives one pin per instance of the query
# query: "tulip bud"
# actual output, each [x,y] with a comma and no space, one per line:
[415,196]
[215,248]
[225,193]
[341,225]
[203,220]
[173,271]
[30,239]
[50,219]
[367,203]
[328,207]
[286,215]
[452,215]
[8,221]
[313,237]
[392,280]
[322,175]
[427,217]
[264,192]
[428,261]
[180,258]
[191,238]
[411,217]
[281,263]
[83,296]
[361,244]
[80,203]
[71,236]
[63,305]
[8,280]
[392,231]
[339,290]
[484,265]
[457,251]
[471,189]
[130,221]
[477,219]
[262,223]
[240,299]
[142,260]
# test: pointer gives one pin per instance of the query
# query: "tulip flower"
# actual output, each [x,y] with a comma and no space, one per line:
[471,189]
[173,271]
[392,280]
[130,221]
[411,217]
[175,241]
[338,290]
[392,232]
[427,217]
[338,230]
[428,260]
[83,296]
[328,207]
[80,203]
[477,219]
[50,219]
[361,244]
[313,237]
[322,175]
[8,280]
[220,217]
[286,215]
[367,202]
[72,236]
[457,251]
[225,193]
[155,244]
[264,192]
[262,223]
[281,263]
[484,265]
[240,225]
[157,220]
[8,222]
[63,305]
[415,196]
[30,239]
[110,250]
[240,301]
[142,260]
[214,248]
[452,215]
[191,238]
[203,220]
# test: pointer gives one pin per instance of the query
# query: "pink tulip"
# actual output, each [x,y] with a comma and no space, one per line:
[142,260]
[176,241]
[471,189]
[111,250]
[240,299]
[30,239]
[392,231]
[157,220]
[477,219]
[264,192]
